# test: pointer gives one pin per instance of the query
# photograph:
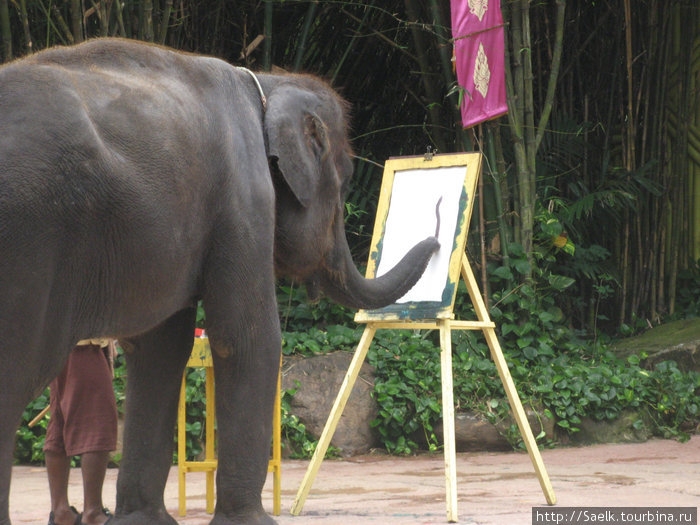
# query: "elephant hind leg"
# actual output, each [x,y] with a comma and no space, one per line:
[25,370]
[9,420]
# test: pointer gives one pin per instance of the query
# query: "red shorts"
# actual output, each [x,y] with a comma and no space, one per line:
[83,408]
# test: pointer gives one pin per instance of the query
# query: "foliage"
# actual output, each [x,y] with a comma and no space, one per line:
[301,444]
[407,389]
[294,434]
[567,376]
[297,313]
[195,414]
[316,341]
[689,291]
[30,441]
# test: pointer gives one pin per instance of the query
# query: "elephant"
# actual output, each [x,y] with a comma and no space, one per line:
[136,180]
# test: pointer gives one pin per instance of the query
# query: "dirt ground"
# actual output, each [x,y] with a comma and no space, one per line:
[493,488]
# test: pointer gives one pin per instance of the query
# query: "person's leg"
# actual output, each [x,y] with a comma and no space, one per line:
[58,471]
[93,466]
[91,425]
[57,462]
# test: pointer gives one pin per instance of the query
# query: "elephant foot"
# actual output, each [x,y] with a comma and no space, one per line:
[252,518]
[142,518]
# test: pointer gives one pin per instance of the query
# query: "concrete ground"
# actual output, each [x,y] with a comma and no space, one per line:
[493,488]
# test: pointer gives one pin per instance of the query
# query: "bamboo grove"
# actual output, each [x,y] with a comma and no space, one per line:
[595,170]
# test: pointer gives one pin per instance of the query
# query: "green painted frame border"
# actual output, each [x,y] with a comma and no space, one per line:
[424,310]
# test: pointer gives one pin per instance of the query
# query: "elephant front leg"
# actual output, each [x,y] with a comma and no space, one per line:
[155,363]
[244,333]
[245,392]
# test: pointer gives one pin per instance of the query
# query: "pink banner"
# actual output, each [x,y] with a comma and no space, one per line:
[477,29]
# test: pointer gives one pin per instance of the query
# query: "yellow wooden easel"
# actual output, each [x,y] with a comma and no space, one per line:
[443,320]
[201,357]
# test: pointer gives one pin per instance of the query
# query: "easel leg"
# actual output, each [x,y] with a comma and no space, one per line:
[448,420]
[504,373]
[519,413]
[333,418]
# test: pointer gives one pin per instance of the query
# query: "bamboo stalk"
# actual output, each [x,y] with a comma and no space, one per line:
[494,170]
[165,21]
[267,48]
[62,25]
[442,45]
[308,19]
[118,7]
[5,29]
[529,131]
[694,133]
[443,40]
[99,9]
[482,226]
[29,44]
[660,288]
[695,206]
[148,20]
[351,45]
[515,88]
[554,72]
[524,210]
[76,16]
[432,95]
[630,101]
[628,159]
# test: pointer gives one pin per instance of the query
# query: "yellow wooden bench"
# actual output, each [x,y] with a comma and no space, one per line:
[201,357]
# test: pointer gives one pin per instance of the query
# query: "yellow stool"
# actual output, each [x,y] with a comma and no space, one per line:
[201,357]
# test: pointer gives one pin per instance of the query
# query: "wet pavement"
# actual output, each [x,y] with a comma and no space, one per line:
[493,488]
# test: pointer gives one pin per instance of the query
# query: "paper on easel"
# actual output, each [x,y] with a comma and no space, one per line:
[412,218]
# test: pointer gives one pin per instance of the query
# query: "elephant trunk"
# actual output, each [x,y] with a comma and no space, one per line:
[345,285]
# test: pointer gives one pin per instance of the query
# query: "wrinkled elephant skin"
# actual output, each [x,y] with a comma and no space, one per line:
[135,180]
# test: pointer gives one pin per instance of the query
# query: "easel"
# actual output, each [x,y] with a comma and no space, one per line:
[445,322]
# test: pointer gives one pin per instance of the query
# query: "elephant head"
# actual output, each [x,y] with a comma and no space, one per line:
[310,159]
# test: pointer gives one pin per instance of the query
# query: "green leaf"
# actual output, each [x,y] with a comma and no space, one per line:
[524,341]
[507,328]
[546,317]
[503,272]
[530,352]
[560,282]
[633,359]
[522,266]
[552,227]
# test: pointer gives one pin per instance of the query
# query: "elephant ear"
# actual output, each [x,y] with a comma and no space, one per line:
[297,138]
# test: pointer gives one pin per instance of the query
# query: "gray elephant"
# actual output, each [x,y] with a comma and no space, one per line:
[135,180]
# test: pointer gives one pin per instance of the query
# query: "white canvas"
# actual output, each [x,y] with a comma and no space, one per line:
[412,218]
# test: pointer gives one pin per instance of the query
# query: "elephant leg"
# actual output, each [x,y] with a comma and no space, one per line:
[23,376]
[244,332]
[245,392]
[11,409]
[155,363]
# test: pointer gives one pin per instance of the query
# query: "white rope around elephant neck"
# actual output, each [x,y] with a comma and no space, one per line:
[257,83]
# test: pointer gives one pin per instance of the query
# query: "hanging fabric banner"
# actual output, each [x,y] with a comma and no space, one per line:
[477,29]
